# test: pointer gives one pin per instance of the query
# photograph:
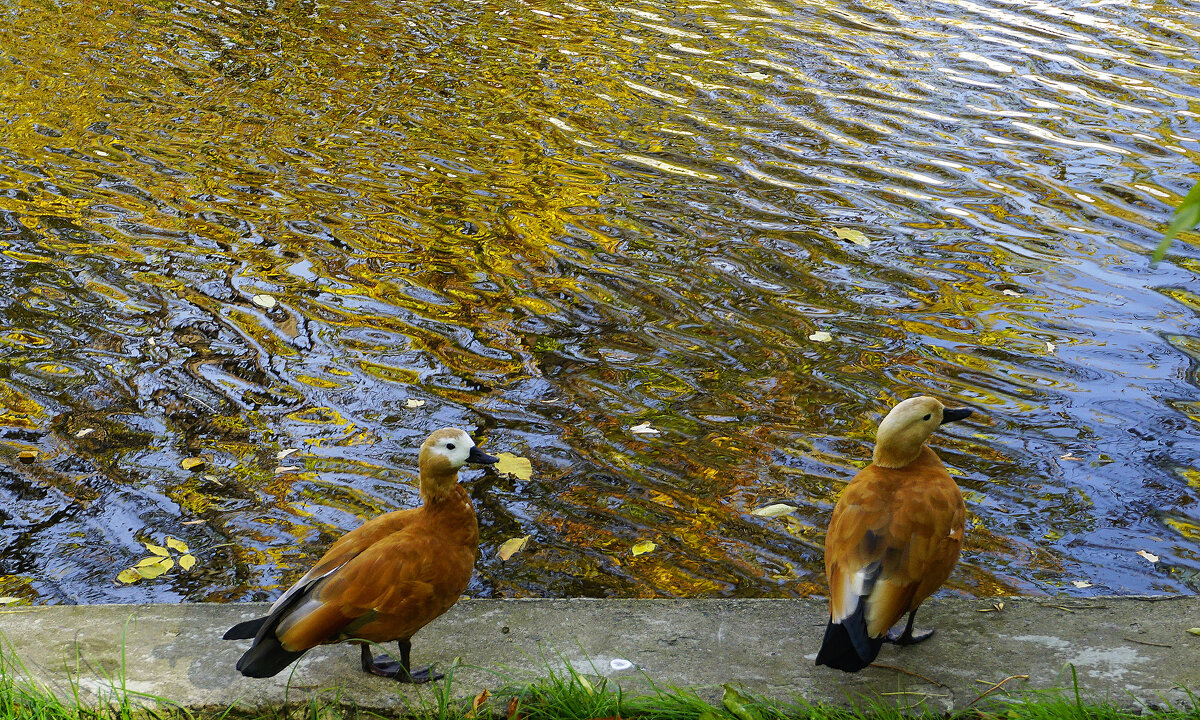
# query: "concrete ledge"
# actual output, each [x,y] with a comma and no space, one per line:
[1128,651]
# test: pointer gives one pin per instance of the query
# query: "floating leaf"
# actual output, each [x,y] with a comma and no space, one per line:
[757,76]
[192,463]
[1081,584]
[512,547]
[178,545]
[514,465]
[776,510]
[263,301]
[643,429]
[1050,347]
[148,561]
[1148,555]
[28,456]
[9,600]
[644,546]
[187,562]
[129,575]
[85,432]
[411,403]
[820,336]
[287,469]
[738,705]
[284,453]
[152,571]
[1012,293]
[156,549]
[855,236]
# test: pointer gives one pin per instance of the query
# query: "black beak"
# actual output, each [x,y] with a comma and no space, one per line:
[479,457]
[953,414]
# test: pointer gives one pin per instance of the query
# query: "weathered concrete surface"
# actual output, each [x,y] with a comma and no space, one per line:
[1129,651]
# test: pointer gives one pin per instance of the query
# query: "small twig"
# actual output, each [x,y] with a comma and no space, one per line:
[909,672]
[1063,607]
[1143,642]
[995,687]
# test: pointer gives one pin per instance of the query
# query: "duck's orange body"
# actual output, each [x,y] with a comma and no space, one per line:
[382,581]
[894,537]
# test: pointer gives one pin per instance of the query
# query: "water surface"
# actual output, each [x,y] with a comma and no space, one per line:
[551,222]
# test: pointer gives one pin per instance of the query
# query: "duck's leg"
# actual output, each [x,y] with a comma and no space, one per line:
[907,637]
[385,666]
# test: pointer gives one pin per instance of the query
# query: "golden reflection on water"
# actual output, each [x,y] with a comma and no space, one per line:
[552,222]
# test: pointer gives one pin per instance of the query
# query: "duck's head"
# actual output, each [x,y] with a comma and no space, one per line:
[442,454]
[908,426]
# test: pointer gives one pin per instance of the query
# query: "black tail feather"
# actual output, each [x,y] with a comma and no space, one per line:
[847,645]
[266,658]
[244,630]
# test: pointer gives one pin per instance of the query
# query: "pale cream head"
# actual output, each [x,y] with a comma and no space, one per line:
[907,427]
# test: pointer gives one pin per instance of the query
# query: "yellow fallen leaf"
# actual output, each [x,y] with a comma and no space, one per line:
[192,463]
[156,549]
[478,702]
[153,559]
[644,546]
[411,403]
[1194,631]
[512,547]
[85,432]
[152,571]
[514,465]
[187,562]
[776,510]
[284,453]
[263,301]
[855,236]
[820,336]
[28,456]
[287,469]
[643,429]
[9,600]
[129,575]
[177,545]
[1148,555]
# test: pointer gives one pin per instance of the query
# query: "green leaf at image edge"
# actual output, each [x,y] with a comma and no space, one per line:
[1187,216]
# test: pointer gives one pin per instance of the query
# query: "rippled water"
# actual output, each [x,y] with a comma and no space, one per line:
[554,221]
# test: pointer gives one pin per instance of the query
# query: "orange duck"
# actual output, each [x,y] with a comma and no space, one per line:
[383,581]
[894,537]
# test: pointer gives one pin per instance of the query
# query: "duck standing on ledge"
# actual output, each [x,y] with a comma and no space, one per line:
[894,537]
[382,581]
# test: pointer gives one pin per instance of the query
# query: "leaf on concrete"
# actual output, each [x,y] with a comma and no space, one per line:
[178,545]
[152,571]
[1148,555]
[776,510]
[187,562]
[820,336]
[156,549]
[129,575]
[644,546]
[1194,631]
[512,546]
[644,429]
[738,705]
[855,236]
[514,465]
[477,703]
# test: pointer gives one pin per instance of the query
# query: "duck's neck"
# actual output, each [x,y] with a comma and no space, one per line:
[896,455]
[438,487]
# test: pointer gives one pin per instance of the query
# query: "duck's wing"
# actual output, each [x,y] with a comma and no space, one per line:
[893,540]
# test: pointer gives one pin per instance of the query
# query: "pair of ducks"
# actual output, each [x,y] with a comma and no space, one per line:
[894,537]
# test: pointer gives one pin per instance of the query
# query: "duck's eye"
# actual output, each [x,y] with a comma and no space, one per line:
[927,416]
[450,446]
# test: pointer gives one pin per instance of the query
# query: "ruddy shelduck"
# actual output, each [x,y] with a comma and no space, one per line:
[894,537]
[382,581]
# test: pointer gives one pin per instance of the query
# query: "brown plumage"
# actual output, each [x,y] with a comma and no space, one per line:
[893,539]
[382,581]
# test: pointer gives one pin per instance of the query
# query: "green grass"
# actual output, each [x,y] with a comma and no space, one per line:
[560,694]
